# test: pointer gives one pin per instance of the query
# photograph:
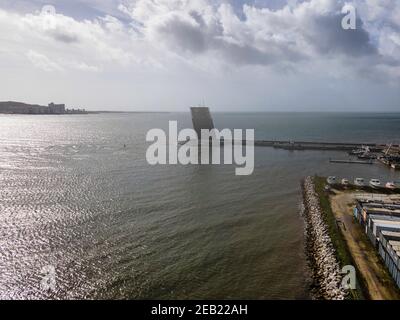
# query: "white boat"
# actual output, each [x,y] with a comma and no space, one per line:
[345,182]
[390,185]
[331,180]
[360,151]
[375,183]
[359,182]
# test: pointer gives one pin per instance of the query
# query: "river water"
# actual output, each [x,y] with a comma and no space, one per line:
[74,200]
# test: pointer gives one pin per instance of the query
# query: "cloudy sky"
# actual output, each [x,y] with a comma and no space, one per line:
[239,55]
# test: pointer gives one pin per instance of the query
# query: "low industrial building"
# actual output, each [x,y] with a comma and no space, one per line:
[389,249]
[381,223]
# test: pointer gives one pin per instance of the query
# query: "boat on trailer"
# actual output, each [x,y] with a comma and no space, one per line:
[390,185]
[345,182]
[359,182]
[331,180]
[375,183]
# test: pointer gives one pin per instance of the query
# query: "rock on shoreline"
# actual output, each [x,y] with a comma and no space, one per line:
[327,278]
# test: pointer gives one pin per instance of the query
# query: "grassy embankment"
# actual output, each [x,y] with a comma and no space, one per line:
[342,251]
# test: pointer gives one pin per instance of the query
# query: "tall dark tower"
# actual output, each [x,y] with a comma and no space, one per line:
[201,119]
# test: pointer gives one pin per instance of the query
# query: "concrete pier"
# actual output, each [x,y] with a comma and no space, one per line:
[202,119]
[311,145]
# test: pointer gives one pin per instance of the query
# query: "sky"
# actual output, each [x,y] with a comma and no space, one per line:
[168,55]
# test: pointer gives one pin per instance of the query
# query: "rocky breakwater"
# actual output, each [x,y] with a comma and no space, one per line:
[326,273]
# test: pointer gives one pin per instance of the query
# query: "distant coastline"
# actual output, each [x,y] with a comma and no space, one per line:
[119,112]
[13,107]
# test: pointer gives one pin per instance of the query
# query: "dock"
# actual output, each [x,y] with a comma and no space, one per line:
[202,119]
[311,145]
[351,161]
[390,156]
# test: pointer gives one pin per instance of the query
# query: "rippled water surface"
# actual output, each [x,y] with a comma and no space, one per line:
[72,197]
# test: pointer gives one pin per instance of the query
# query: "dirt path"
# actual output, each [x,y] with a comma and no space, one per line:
[366,258]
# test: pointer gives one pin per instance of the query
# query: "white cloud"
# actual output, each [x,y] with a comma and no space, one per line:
[161,39]
[201,30]
[308,30]
[42,62]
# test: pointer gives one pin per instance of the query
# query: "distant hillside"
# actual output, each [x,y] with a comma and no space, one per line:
[15,104]
[21,108]
[14,107]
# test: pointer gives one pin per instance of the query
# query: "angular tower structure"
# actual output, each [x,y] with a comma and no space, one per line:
[201,119]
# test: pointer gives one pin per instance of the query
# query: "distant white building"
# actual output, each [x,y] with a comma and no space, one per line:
[56,108]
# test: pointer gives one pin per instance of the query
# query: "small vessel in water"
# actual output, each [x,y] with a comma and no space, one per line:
[359,182]
[395,166]
[331,180]
[367,156]
[359,152]
[390,185]
[375,183]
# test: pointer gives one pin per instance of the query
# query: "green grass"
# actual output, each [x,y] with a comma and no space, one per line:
[367,189]
[342,251]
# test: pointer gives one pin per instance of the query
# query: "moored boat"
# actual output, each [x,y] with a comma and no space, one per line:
[345,182]
[390,185]
[359,182]
[331,180]
[395,166]
[369,156]
[375,183]
[360,151]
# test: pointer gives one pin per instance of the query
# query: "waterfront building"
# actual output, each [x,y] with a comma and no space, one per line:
[12,107]
[389,250]
[56,108]
[381,223]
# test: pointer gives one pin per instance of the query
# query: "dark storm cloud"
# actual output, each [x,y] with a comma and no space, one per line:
[273,44]
[330,37]
[251,55]
[182,34]
[190,34]
[64,37]
[242,55]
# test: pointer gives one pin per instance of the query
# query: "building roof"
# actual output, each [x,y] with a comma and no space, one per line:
[392,234]
[383,217]
[387,208]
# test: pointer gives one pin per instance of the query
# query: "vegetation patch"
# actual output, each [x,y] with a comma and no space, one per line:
[342,251]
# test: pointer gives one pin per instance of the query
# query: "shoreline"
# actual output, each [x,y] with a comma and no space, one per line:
[350,246]
[372,272]
[323,262]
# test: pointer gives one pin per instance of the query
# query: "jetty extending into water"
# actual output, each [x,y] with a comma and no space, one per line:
[365,152]
[202,119]
[312,145]
[320,248]
[352,161]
